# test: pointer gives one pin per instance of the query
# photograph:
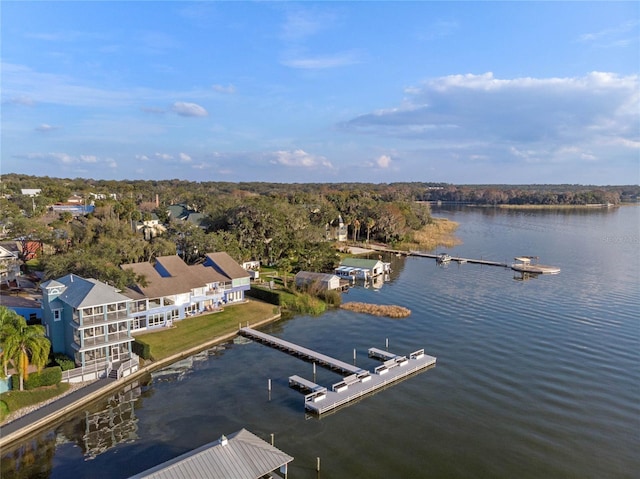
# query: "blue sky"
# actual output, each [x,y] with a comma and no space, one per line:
[457,92]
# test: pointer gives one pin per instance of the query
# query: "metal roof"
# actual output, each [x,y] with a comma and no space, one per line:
[81,293]
[360,263]
[241,455]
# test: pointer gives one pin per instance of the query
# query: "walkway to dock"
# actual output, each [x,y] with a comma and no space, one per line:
[301,351]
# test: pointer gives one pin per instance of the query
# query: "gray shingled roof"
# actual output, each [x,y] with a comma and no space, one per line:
[81,293]
[183,277]
[227,265]
[245,456]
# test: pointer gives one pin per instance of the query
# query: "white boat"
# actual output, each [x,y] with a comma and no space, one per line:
[443,258]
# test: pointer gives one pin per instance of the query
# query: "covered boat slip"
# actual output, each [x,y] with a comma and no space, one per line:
[242,455]
[358,383]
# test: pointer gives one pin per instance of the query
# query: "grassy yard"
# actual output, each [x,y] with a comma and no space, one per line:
[14,400]
[191,332]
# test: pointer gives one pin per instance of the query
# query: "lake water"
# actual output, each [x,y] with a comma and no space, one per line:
[535,378]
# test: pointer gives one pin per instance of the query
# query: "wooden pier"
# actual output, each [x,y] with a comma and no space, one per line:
[358,383]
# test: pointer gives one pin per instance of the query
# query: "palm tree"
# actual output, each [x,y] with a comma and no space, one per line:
[24,345]
[9,323]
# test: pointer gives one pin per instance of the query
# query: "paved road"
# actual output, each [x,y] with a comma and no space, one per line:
[54,406]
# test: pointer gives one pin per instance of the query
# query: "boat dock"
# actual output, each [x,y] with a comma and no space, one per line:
[358,382]
[461,260]
[301,351]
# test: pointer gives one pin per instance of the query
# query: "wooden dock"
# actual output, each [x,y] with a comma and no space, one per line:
[358,382]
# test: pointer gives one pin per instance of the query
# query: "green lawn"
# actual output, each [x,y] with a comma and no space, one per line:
[191,332]
[15,400]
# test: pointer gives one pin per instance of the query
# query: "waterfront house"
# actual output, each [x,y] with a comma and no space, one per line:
[87,320]
[227,266]
[173,290]
[324,281]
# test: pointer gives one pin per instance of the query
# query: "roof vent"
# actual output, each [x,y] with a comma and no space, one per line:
[223,440]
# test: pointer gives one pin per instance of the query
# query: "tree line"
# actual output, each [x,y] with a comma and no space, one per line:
[291,227]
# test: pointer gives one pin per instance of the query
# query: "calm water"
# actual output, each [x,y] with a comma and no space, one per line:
[535,379]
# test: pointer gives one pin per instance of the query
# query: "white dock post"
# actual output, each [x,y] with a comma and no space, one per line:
[354,355]
[318,464]
[386,344]
[314,371]
[269,384]
[272,438]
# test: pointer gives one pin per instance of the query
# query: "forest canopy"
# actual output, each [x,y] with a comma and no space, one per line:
[290,226]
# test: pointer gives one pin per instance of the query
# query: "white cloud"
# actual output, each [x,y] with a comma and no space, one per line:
[320,62]
[229,89]
[163,156]
[611,34]
[189,109]
[88,158]
[502,118]
[383,161]
[299,158]
[45,128]
[185,158]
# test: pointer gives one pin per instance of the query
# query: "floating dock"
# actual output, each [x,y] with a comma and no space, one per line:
[526,264]
[358,383]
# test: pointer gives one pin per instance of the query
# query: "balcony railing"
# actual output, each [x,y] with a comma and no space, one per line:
[112,338]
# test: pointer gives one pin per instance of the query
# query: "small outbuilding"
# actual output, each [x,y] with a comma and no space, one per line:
[325,281]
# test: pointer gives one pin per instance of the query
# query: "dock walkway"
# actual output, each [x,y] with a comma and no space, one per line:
[301,351]
[462,260]
[358,382]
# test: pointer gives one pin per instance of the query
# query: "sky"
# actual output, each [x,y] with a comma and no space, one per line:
[322,92]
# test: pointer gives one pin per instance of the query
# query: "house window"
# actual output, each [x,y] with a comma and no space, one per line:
[138,323]
[156,319]
[57,314]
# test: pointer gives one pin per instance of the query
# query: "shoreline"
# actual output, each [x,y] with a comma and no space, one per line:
[58,413]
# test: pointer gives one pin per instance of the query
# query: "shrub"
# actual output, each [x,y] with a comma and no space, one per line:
[47,377]
[267,296]
[141,348]
[64,361]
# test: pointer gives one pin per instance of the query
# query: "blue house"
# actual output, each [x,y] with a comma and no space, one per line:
[87,320]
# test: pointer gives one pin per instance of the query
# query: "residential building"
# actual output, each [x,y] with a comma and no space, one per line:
[173,290]
[184,213]
[9,262]
[336,230]
[87,320]
[227,266]
[31,191]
